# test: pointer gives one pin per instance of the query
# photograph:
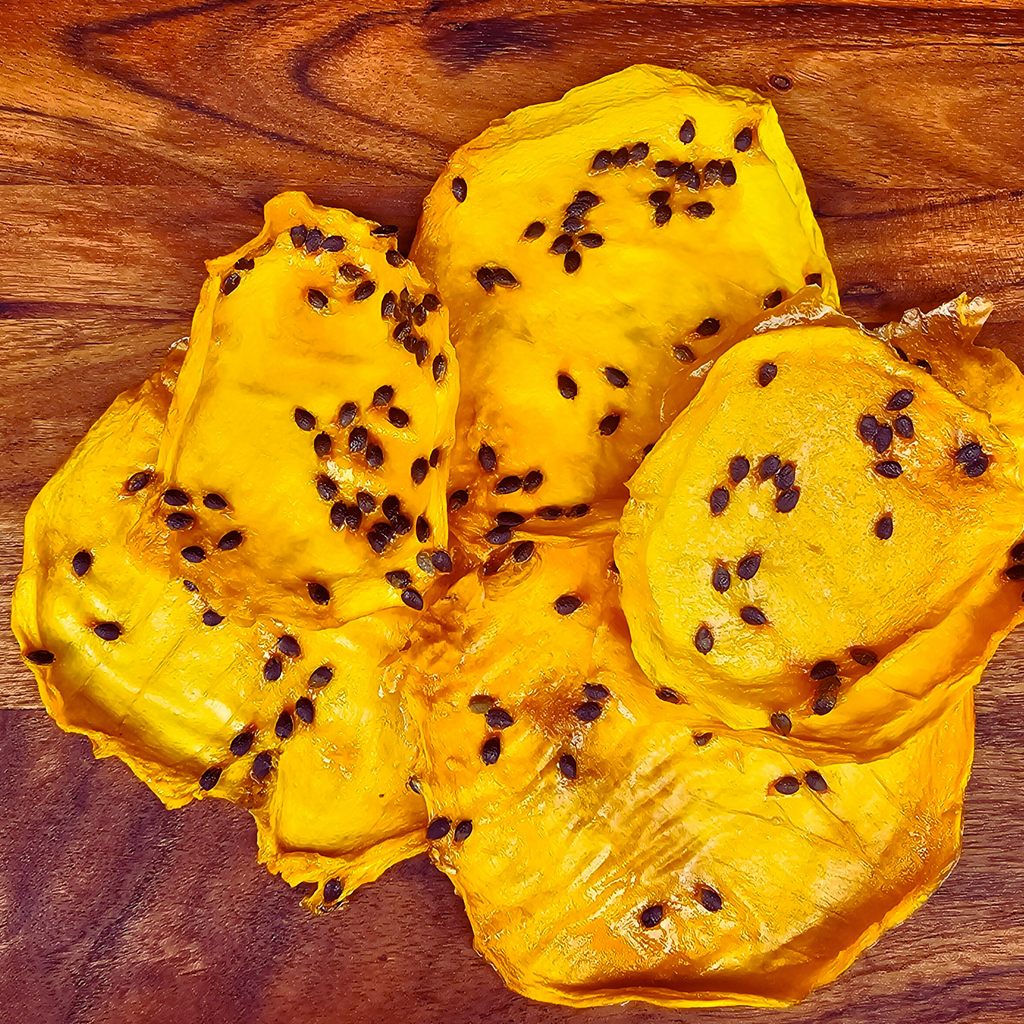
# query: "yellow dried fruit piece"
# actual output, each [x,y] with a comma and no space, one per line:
[307,444]
[823,542]
[598,253]
[612,845]
[291,723]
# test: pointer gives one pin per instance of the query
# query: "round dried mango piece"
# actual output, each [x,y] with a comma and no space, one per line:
[597,255]
[611,843]
[289,722]
[307,445]
[825,543]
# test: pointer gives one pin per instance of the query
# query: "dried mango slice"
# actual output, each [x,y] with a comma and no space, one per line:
[598,254]
[825,542]
[610,843]
[306,449]
[289,722]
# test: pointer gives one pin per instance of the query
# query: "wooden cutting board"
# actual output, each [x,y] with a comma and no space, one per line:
[140,138]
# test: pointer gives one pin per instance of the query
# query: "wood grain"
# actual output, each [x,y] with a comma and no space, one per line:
[141,138]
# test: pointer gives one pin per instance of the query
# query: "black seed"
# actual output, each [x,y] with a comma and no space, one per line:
[498,718]
[394,258]
[770,465]
[824,670]
[924,364]
[707,327]
[710,900]
[532,481]
[304,419]
[289,646]
[816,782]
[398,578]
[491,750]
[388,305]
[585,200]
[326,488]
[508,485]
[374,456]
[321,676]
[767,374]
[209,779]
[659,197]
[215,502]
[567,386]
[401,526]
[457,500]
[485,278]
[620,157]
[718,500]
[352,517]
[868,427]
[189,586]
[662,214]
[193,553]
[419,315]
[272,669]
[883,528]
[700,210]
[364,291]
[609,424]
[419,470]
[572,225]
[772,300]
[40,657]
[332,890]
[459,189]
[668,695]
[441,561]
[591,240]
[230,283]
[639,152]
[422,529]
[175,497]
[787,785]
[900,400]
[440,367]
[314,239]
[438,828]
[616,378]
[652,916]
[785,477]
[883,437]
[212,618]
[316,299]
[889,469]
[977,467]
[567,604]
[322,445]
[825,701]
[683,353]
[136,482]
[785,501]
[347,414]
[283,727]
[431,303]
[241,744]
[577,511]
[421,350]
[588,711]
[748,566]
[334,243]
[413,599]
[1015,572]
[968,453]
[753,616]
[712,172]
[383,395]
[462,831]
[664,168]
[743,140]
[567,766]
[813,279]
[687,132]
[863,656]
[261,765]
[509,519]
[81,562]
[601,161]
[318,593]
[728,173]
[298,234]
[549,512]
[499,535]
[686,174]
[534,230]
[1017,552]
[487,459]
[504,277]
[720,579]
[781,723]
[703,640]
[561,245]
[384,230]
[595,691]
[572,262]
[904,426]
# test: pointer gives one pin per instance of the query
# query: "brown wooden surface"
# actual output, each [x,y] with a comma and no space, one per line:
[139,138]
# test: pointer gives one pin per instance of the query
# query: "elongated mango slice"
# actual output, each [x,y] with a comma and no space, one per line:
[825,543]
[612,843]
[307,444]
[598,254]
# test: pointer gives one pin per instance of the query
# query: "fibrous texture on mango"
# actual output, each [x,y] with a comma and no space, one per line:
[825,542]
[598,254]
[611,843]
